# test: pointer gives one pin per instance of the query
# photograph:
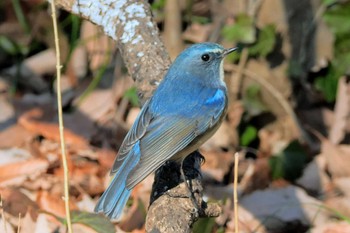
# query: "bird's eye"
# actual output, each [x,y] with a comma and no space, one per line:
[205,57]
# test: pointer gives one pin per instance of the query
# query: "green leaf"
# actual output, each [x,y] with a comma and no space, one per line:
[204,225]
[341,60]
[98,222]
[200,19]
[131,95]
[265,43]
[249,134]
[328,84]
[289,163]
[252,100]
[338,18]
[242,31]
[328,2]
[158,4]
[8,45]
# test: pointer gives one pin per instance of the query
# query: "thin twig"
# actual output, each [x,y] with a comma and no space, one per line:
[279,97]
[237,76]
[19,223]
[60,119]
[235,194]
[3,214]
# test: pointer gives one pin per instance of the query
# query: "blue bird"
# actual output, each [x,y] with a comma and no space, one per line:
[185,110]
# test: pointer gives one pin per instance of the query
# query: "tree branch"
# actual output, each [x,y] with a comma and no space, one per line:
[129,22]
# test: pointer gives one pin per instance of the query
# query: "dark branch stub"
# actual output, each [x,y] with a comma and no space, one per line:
[172,207]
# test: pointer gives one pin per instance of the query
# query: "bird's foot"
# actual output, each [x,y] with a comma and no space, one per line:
[189,188]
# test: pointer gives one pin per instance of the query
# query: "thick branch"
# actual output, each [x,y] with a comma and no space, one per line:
[172,209]
[130,23]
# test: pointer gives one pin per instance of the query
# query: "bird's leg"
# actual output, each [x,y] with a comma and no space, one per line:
[188,186]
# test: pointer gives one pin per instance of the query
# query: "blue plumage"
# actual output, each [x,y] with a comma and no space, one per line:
[185,110]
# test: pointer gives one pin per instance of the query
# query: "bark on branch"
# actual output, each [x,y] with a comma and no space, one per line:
[129,22]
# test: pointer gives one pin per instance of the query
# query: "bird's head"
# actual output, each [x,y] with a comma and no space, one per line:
[203,61]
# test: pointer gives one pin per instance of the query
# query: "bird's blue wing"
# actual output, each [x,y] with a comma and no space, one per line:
[135,133]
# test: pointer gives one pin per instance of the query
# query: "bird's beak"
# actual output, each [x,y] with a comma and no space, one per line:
[228,51]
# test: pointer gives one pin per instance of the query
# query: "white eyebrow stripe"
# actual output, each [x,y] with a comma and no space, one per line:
[216,50]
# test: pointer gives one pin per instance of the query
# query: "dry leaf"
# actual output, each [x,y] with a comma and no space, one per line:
[27,223]
[45,223]
[98,45]
[332,227]
[339,204]
[42,63]
[78,62]
[49,130]
[247,222]
[14,136]
[13,155]
[283,205]
[341,112]
[337,157]
[6,227]
[314,178]
[7,112]
[133,113]
[53,203]
[86,203]
[97,104]
[197,33]
[343,184]
[134,217]
[217,163]
[222,138]
[106,157]
[16,173]
[15,202]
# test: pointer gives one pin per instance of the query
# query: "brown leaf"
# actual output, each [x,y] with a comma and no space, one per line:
[247,222]
[197,33]
[46,223]
[84,174]
[53,203]
[343,184]
[340,204]
[27,223]
[15,202]
[217,163]
[49,130]
[7,110]
[106,157]
[15,173]
[341,112]
[15,135]
[284,205]
[315,179]
[98,45]
[334,227]
[135,216]
[97,104]
[337,157]
[43,62]
[6,227]
[13,155]
[222,138]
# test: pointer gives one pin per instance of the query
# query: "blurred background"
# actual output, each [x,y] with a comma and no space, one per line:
[289,114]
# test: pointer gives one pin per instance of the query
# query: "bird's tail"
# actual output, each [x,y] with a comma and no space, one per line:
[113,200]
